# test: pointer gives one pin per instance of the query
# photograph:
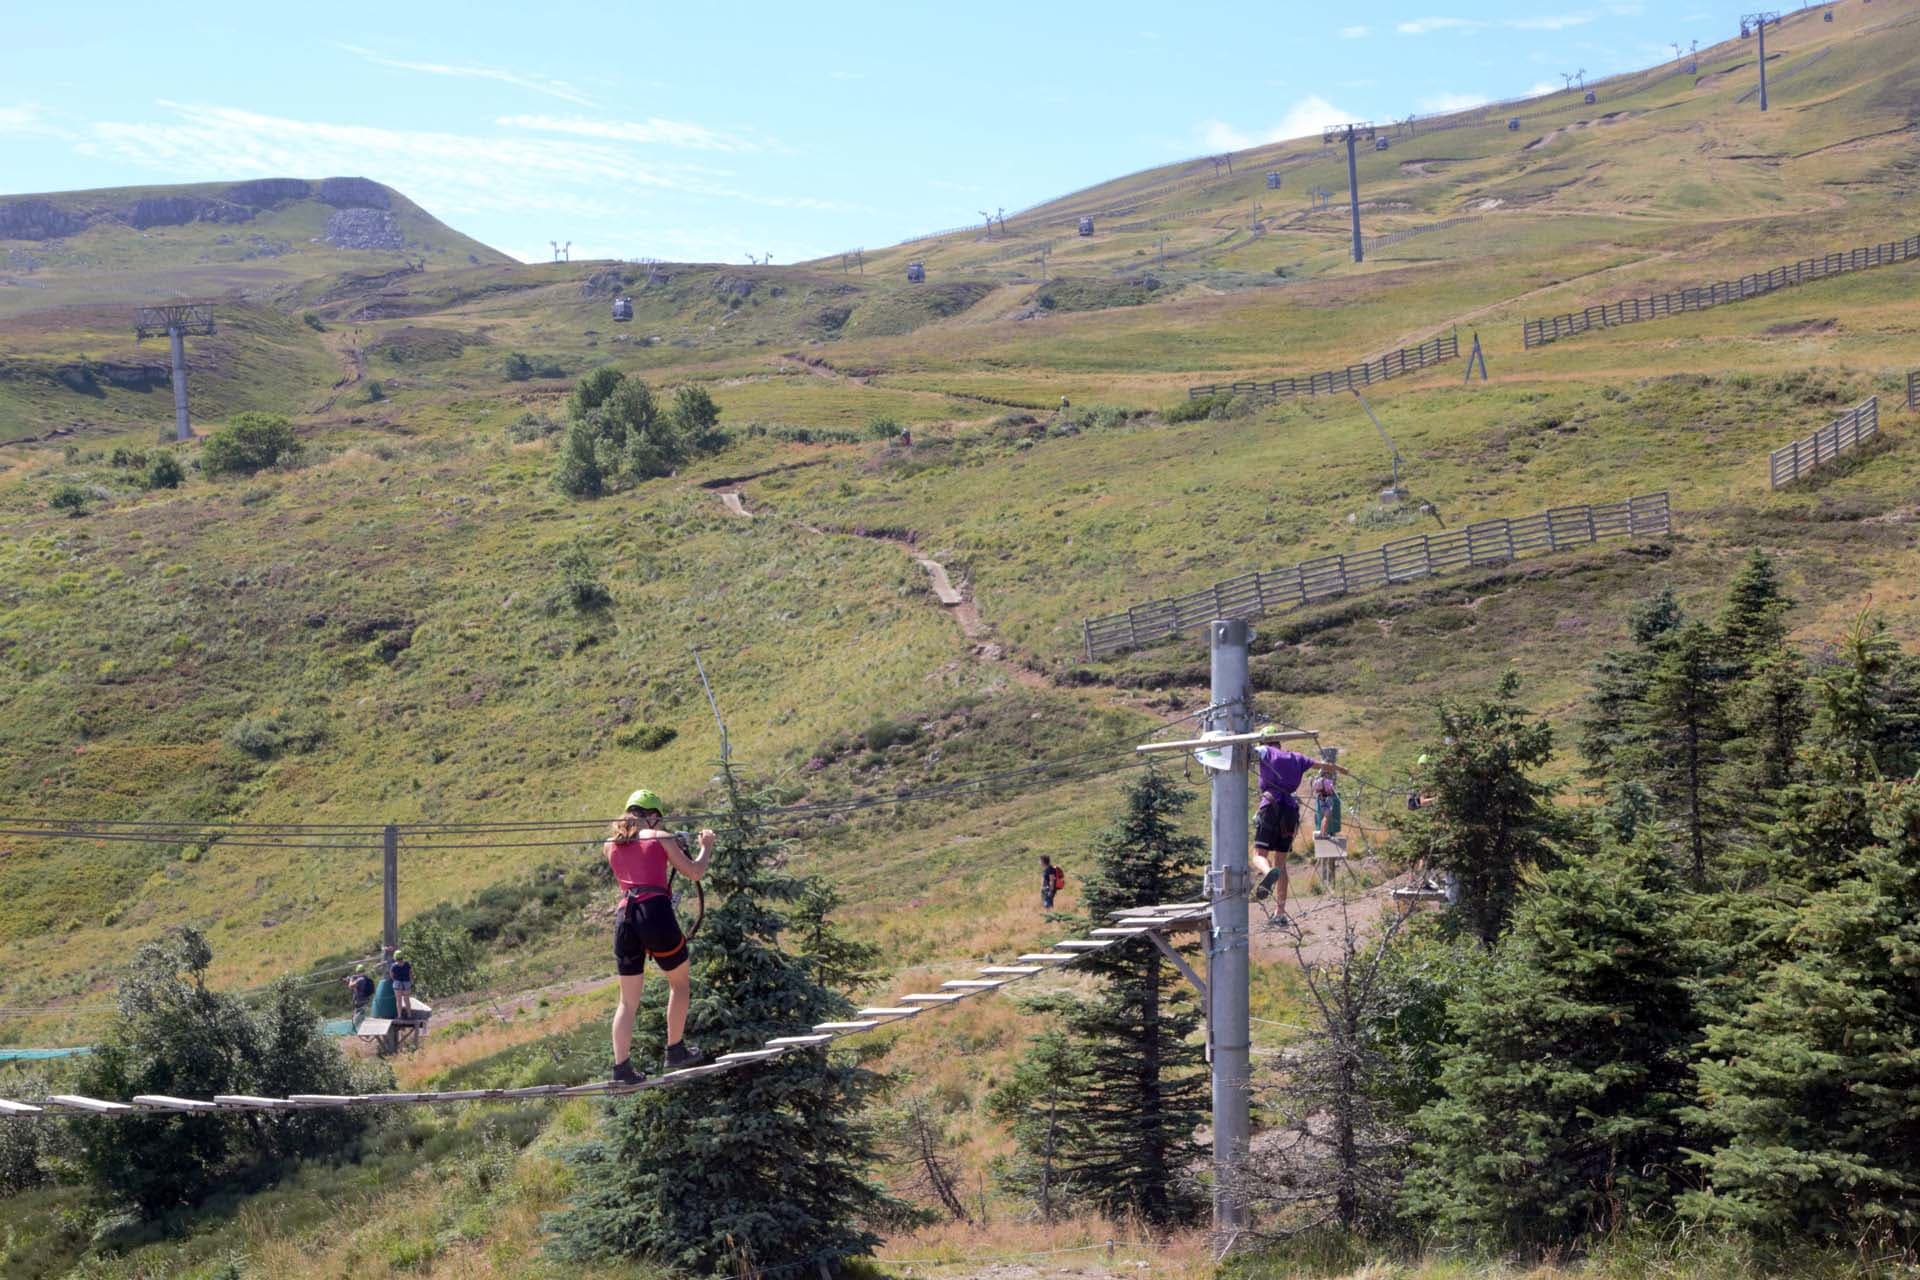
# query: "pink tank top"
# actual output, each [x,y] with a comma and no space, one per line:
[640,865]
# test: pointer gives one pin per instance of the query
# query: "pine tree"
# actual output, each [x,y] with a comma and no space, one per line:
[1814,1085]
[1129,1135]
[1683,750]
[1490,820]
[838,963]
[1611,724]
[1561,1110]
[750,1167]
[1038,1104]
[1753,623]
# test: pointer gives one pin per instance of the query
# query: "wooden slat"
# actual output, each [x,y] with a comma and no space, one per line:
[11,1108]
[748,1055]
[1019,970]
[97,1106]
[923,997]
[1049,957]
[168,1103]
[1117,931]
[904,1011]
[843,1028]
[1079,944]
[974,984]
[800,1041]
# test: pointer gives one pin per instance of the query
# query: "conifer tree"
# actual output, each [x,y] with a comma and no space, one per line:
[1038,1102]
[1814,1085]
[1490,819]
[1768,715]
[1561,1106]
[1753,623]
[1129,1136]
[1683,749]
[1611,724]
[747,1168]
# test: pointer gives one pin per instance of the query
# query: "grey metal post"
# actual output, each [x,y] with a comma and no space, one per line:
[181,431]
[390,897]
[1227,954]
[1353,190]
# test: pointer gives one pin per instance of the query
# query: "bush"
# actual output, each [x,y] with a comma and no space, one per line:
[447,959]
[647,737]
[70,498]
[518,367]
[580,584]
[264,737]
[617,434]
[696,418]
[249,443]
[1098,417]
[127,458]
[884,429]
[312,322]
[532,426]
[375,392]
[165,472]
[1194,410]
[882,734]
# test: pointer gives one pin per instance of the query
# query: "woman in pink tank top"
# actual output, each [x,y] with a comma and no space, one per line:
[642,856]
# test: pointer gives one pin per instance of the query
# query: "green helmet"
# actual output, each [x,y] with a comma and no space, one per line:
[1268,730]
[645,799]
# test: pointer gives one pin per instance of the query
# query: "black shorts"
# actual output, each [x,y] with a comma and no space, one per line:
[647,927]
[1274,827]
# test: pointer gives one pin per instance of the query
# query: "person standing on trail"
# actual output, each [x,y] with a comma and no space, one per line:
[1326,804]
[1052,881]
[360,991]
[640,854]
[401,972]
[1277,821]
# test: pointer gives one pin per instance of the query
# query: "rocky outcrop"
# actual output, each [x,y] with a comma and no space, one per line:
[354,193]
[38,220]
[178,211]
[364,229]
[269,193]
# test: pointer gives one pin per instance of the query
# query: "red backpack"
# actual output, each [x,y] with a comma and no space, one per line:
[1059,879]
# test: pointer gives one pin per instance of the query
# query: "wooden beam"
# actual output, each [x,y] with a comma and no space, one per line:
[1186,970]
[1228,740]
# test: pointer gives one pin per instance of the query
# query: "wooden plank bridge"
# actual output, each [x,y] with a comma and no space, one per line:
[1151,922]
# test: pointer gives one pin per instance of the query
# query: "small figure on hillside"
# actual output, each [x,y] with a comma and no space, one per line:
[360,991]
[640,854]
[1052,881]
[1277,820]
[906,438]
[402,975]
[1064,404]
[1326,804]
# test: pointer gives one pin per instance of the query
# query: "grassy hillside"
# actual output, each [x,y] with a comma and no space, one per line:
[389,616]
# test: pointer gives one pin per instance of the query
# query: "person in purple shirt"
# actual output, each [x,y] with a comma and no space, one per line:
[1277,820]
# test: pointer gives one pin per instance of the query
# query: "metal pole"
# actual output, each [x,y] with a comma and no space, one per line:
[1763,62]
[390,898]
[1227,944]
[1353,189]
[181,431]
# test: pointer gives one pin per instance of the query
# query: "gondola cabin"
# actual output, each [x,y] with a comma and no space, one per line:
[1086,226]
[1273,182]
[1513,124]
[623,308]
[916,273]
[1591,97]
[1379,144]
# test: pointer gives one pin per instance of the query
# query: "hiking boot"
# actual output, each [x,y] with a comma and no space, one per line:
[1281,921]
[623,1073]
[684,1055]
[1267,882]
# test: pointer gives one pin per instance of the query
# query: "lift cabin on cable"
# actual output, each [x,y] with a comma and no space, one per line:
[623,308]
[916,273]
[1086,226]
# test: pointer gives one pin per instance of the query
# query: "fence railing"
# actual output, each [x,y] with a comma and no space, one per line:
[1913,389]
[1848,431]
[1252,595]
[1536,333]
[1375,243]
[1394,364]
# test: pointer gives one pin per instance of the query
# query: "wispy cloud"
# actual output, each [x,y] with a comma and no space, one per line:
[452,173]
[653,130]
[532,83]
[1357,32]
[1308,116]
[28,118]
[1541,22]
[1453,101]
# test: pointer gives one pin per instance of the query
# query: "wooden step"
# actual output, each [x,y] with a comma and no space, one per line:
[1022,970]
[975,984]
[1050,957]
[845,1028]
[251,1103]
[748,1055]
[10,1108]
[906,1011]
[74,1102]
[1164,909]
[1129,931]
[797,1042]
[1082,944]
[921,997]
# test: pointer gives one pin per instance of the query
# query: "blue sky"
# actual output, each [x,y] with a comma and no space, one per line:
[710,131]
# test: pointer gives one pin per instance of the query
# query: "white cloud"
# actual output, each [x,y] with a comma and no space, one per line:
[535,84]
[1358,32]
[28,119]
[672,133]
[1453,101]
[451,173]
[1304,118]
[1544,22]
[1539,87]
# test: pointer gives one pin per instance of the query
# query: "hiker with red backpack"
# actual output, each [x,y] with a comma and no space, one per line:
[642,857]
[1052,881]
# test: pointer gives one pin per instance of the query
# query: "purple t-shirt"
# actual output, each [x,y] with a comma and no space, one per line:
[1280,774]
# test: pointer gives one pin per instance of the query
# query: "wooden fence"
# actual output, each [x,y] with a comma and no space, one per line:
[1376,243]
[1913,389]
[1848,431]
[1252,595]
[1394,364]
[1536,333]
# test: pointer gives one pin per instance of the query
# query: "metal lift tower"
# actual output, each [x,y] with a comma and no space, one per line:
[176,320]
[1351,132]
[1759,23]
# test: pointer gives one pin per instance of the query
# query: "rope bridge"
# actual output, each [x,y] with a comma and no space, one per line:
[1137,922]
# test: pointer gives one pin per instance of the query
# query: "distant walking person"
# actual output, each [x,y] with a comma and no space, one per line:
[1052,881]
[402,974]
[640,855]
[1277,821]
[1326,804]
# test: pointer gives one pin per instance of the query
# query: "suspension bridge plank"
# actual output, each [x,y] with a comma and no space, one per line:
[313,1099]
[975,984]
[1081,944]
[10,1108]
[166,1103]
[797,1042]
[1128,931]
[251,1103]
[1021,970]
[97,1106]
[923,997]
[905,1011]
[845,1028]
[1050,957]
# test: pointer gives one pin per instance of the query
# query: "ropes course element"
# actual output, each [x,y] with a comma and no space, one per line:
[1129,925]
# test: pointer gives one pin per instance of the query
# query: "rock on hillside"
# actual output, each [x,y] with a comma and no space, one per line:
[364,229]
